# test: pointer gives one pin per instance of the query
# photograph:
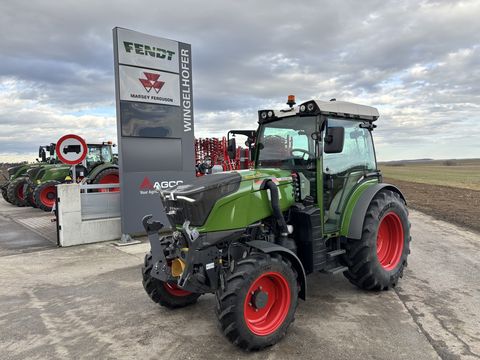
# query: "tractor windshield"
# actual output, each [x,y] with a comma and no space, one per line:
[98,154]
[287,143]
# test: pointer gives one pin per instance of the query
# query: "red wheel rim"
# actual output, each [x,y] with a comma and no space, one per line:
[20,194]
[109,179]
[265,318]
[48,195]
[174,290]
[390,241]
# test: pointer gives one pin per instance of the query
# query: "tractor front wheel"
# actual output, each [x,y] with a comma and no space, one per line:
[378,259]
[163,293]
[15,192]
[29,196]
[258,301]
[45,195]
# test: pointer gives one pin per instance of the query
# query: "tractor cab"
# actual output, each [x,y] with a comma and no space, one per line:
[328,147]
[99,154]
[46,154]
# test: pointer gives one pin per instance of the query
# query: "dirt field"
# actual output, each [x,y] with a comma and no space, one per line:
[446,189]
[452,204]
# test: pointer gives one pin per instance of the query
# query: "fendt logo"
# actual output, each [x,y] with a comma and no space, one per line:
[147,50]
[147,187]
[152,82]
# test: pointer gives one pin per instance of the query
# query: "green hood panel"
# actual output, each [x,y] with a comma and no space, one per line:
[246,205]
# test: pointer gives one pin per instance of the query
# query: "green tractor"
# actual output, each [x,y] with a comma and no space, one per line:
[99,167]
[14,191]
[315,201]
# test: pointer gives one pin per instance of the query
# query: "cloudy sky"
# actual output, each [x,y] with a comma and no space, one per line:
[417,61]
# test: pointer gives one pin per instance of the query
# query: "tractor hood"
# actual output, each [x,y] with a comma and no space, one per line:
[195,201]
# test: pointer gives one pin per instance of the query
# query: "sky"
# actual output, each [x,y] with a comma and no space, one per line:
[418,62]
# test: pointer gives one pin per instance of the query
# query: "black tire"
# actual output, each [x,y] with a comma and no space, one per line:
[109,173]
[44,195]
[29,196]
[163,293]
[15,191]
[235,313]
[368,268]
[4,193]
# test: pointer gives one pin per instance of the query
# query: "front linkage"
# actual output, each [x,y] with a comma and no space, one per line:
[176,258]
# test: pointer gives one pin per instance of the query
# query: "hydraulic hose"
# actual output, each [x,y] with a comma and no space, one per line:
[277,213]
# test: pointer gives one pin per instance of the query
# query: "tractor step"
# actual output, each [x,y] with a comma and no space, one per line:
[337,270]
[334,253]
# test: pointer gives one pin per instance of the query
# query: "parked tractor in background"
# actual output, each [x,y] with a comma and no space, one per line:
[14,191]
[99,167]
[314,201]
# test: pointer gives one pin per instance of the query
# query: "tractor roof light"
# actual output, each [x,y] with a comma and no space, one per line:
[291,100]
[266,115]
[309,108]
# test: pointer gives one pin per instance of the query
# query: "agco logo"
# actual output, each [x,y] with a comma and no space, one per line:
[152,82]
[147,187]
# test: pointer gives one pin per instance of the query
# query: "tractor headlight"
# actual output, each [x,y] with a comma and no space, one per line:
[303,108]
[270,113]
[310,107]
[263,115]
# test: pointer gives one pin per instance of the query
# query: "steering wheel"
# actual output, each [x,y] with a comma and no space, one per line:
[305,152]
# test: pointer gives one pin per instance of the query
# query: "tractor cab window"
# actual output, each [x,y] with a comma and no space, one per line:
[342,171]
[287,144]
[98,154]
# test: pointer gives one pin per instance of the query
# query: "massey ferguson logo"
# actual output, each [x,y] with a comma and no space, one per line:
[147,187]
[152,82]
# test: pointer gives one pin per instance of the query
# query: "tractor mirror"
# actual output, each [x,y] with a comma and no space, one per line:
[334,138]
[52,149]
[232,148]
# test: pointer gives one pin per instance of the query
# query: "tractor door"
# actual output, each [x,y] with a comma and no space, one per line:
[343,170]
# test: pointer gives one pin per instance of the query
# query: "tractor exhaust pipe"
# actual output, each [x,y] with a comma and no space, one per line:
[283,240]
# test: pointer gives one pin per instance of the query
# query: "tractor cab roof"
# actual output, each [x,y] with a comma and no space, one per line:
[329,108]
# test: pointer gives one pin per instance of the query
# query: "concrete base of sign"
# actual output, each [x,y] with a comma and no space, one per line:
[126,240]
[73,229]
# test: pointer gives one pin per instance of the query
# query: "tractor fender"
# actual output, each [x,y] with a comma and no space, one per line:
[360,209]
[98,169]
[268,248]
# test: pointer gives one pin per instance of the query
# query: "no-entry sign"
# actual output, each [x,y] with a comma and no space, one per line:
[71,149]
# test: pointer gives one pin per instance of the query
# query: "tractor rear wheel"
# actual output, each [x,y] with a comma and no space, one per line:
[15,192]
[45,195]
[378,259]
[258,301]
[107,176]
[4,193]
[163,293]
